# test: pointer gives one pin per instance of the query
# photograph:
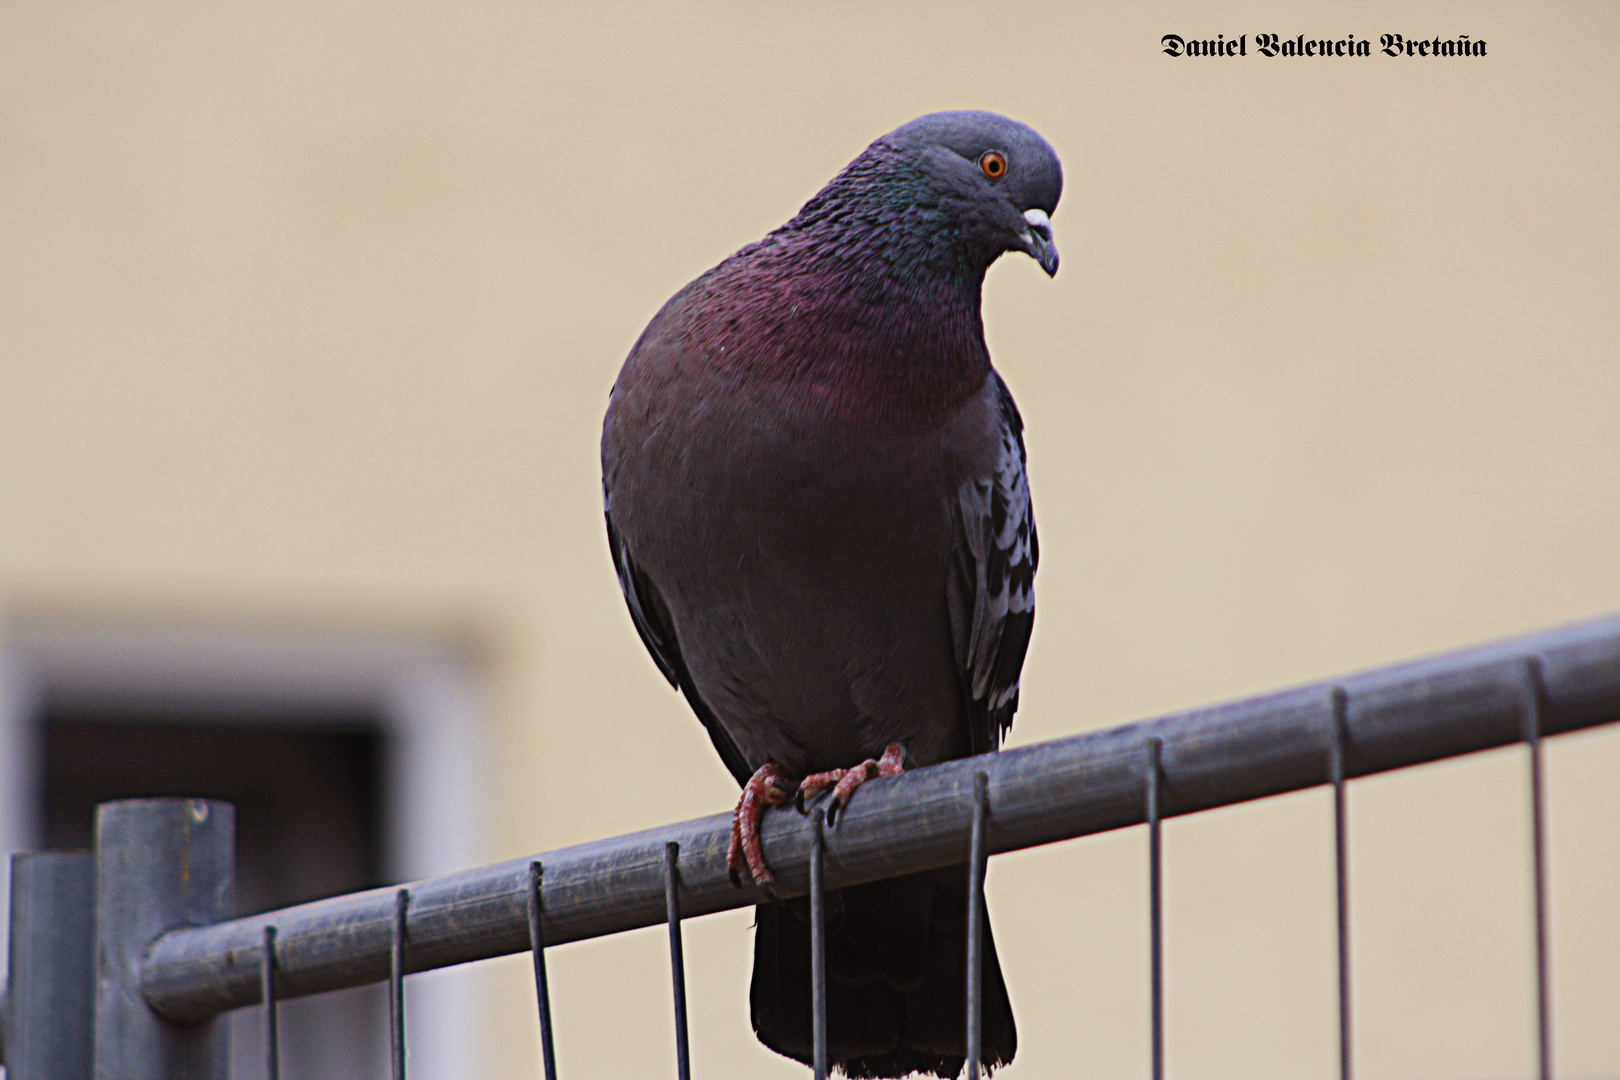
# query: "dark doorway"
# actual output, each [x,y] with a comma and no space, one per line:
[307,791]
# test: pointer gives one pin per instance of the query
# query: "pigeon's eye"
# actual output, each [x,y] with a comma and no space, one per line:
[993,165]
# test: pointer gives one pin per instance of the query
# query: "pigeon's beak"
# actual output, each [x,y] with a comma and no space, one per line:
[1037,239]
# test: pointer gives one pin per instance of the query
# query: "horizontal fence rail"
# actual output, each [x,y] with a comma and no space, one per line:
[1472,700]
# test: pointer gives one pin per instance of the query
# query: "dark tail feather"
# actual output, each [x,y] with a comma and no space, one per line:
[896,979]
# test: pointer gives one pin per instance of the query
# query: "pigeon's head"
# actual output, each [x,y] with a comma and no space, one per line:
[996,180]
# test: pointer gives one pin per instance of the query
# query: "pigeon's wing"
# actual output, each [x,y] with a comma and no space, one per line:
[651,616]
[992,588]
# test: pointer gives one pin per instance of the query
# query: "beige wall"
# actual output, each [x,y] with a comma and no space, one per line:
[308,314]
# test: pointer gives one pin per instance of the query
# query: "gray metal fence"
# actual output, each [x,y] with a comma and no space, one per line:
[122,960]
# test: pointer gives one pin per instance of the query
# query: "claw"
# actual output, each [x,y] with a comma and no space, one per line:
[769,786]
[815,784]
[852,779]
[844,781]
[766,788]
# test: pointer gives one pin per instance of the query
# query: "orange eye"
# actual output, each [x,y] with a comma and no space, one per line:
[993,165]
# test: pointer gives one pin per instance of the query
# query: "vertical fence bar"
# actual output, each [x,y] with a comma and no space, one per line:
[1341,863]
[1155,903]
[50,997]
[818,947]
[267,979]
[160,864]
[975,925]
[1535,699]
[677,959]
[542,993]
[396,984]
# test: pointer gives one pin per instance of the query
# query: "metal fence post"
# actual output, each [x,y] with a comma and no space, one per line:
[53,932]
[160,864]
[677,957]
[1155,813]
[1337,749]
[818,946]
[1535,670]
[977,860]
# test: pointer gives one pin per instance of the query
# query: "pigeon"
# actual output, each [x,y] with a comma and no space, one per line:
[819,515]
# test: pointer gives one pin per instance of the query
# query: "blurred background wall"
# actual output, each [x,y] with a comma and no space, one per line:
[308,315]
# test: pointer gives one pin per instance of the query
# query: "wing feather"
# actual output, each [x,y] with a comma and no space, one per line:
[992,600]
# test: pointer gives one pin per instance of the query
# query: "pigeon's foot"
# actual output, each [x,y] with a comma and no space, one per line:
[845,781]
[769,786]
